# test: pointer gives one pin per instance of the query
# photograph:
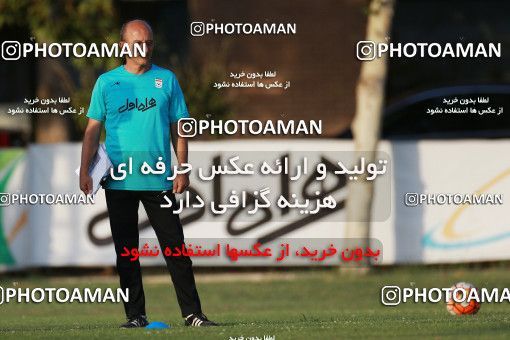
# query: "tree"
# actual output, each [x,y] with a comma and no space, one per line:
[366,124]
[93,21]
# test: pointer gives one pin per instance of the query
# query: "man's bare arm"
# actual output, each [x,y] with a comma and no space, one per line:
[180,145]
[88,150]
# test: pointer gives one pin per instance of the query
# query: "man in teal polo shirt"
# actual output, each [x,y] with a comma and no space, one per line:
[140,105]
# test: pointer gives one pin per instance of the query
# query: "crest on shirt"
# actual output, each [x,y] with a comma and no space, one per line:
[158,83]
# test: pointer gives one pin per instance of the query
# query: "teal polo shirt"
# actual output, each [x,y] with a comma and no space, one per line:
[137,110]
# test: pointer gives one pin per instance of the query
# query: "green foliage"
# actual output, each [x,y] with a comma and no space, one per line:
[96,21]
[196,80]
[92,21]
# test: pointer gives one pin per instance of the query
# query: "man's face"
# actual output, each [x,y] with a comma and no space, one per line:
[137,33]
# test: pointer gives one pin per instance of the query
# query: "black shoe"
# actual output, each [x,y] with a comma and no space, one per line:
[139,321]
[198,320]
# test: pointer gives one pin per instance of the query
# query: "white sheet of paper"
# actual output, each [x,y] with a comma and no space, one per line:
[99,168]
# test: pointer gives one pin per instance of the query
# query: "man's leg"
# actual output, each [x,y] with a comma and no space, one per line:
[123,213]
[168,229]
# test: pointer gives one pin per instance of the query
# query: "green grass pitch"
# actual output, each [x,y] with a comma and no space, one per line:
[293,305]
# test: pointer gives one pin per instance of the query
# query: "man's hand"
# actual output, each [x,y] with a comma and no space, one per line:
[88,150]
[85,183]
[180,144]
[181,182]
